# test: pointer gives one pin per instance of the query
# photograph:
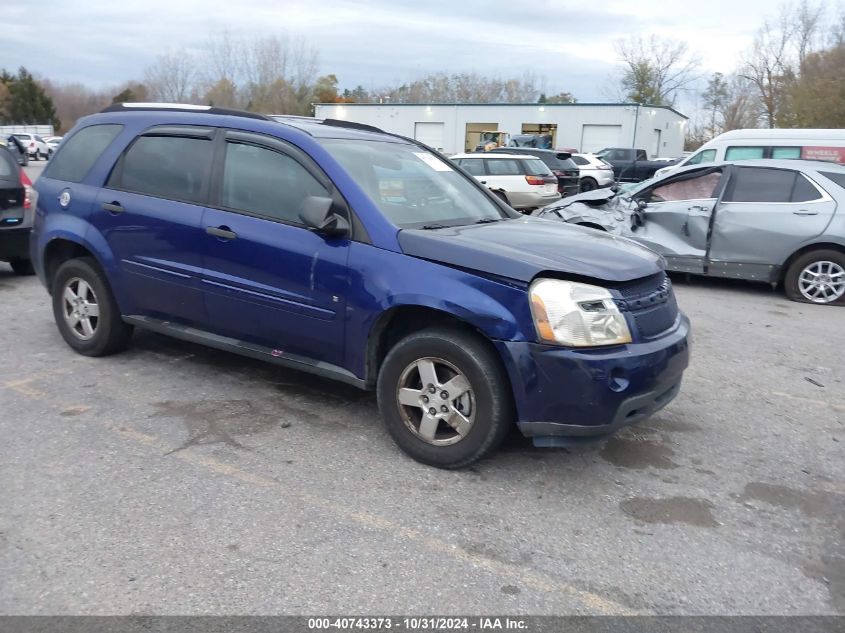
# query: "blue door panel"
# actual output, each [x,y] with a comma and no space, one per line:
[276,285]
[156,243]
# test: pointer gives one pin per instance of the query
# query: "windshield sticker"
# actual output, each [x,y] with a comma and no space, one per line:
[432,161]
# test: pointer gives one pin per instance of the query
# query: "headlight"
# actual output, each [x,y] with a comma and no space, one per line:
[577,315]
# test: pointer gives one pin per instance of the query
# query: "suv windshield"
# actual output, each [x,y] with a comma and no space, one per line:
[412,187]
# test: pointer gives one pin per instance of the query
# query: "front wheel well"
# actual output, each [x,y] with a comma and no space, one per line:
[806,249]
[396,323]
[59,251]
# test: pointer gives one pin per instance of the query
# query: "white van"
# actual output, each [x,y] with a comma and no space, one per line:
[754,144]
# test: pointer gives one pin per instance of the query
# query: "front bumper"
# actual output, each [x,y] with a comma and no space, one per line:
[580,393]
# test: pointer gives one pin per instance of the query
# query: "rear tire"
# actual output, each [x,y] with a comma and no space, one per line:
[817,277]
[588,184]
[461,413]
[22,267]
[85,310]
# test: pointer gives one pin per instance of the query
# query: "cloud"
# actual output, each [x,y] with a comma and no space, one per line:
[103,42]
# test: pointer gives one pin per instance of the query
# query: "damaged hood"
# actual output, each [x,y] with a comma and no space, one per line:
[522,248]
[593,198]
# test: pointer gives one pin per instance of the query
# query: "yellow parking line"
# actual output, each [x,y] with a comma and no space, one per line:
[536,580]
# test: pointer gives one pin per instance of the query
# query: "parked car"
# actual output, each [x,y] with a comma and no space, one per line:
[358,255]
[52,143]
[35,146]
[630,165]
[16,214]
[594,173]
[523,182]
[18,150]
[812,144]
[777,221]
[565,170]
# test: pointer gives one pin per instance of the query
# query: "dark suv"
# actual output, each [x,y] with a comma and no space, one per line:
[358,255]
[567,172]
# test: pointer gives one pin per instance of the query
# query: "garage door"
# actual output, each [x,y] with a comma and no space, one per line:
[596,137]
[430,133]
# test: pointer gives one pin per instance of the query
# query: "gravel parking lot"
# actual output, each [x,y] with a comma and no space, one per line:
[177,479]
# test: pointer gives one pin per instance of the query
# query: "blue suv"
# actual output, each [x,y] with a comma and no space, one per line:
[338,249]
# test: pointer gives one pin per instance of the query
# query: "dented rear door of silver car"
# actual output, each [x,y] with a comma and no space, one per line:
[765,214]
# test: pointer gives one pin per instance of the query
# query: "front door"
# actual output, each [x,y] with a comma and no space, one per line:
[765,215]
[150,213]
[677,219]
[267,280]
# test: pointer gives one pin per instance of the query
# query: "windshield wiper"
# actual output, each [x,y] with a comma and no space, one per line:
[488,220]
[429,227]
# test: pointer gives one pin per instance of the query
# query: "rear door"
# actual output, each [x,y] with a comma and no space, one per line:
[150,213]
[268,280]
[764,215]
[677,218]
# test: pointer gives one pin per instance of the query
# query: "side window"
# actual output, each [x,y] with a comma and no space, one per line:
[704,156]
[174,167]
[838,178]
[474,166]
[760,184]
[503,167]
[266,182]
[744,153]
[786,152]
[580,160]
[80,152]
[700,188]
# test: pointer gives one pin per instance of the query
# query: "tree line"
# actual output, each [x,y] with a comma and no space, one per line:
[793,75]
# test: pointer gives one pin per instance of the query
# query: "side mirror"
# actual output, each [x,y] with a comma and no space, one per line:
[319,215]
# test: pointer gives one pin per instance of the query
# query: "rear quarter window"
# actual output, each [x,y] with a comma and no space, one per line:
[7,165]
[79,153]
[504,167]
[536,167]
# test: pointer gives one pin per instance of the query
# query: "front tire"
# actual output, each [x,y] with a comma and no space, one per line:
[85,310]
[444,397]
[817,277]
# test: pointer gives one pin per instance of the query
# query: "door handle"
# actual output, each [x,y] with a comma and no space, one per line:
[113,207]
[805,212]
[223,232]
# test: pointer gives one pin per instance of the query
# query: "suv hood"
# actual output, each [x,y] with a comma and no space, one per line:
[523,248]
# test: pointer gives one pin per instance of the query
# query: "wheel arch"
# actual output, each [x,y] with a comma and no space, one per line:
[816,246]
[397,322]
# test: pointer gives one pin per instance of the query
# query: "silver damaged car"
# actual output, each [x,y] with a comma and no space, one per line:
[778,221]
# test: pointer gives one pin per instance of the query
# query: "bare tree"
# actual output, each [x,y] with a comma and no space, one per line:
[654,70]
[768,65]
[740,109]
[171,78]
[807,20]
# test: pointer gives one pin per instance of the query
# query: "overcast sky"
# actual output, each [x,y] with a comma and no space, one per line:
[377,42]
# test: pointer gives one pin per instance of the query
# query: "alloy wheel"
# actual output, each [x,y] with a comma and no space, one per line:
[436,401]
[822,282]
[80,308]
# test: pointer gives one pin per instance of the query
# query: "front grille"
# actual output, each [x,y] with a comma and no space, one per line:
[651,303]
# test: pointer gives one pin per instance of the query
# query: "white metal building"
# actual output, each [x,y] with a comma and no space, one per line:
[587,127]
